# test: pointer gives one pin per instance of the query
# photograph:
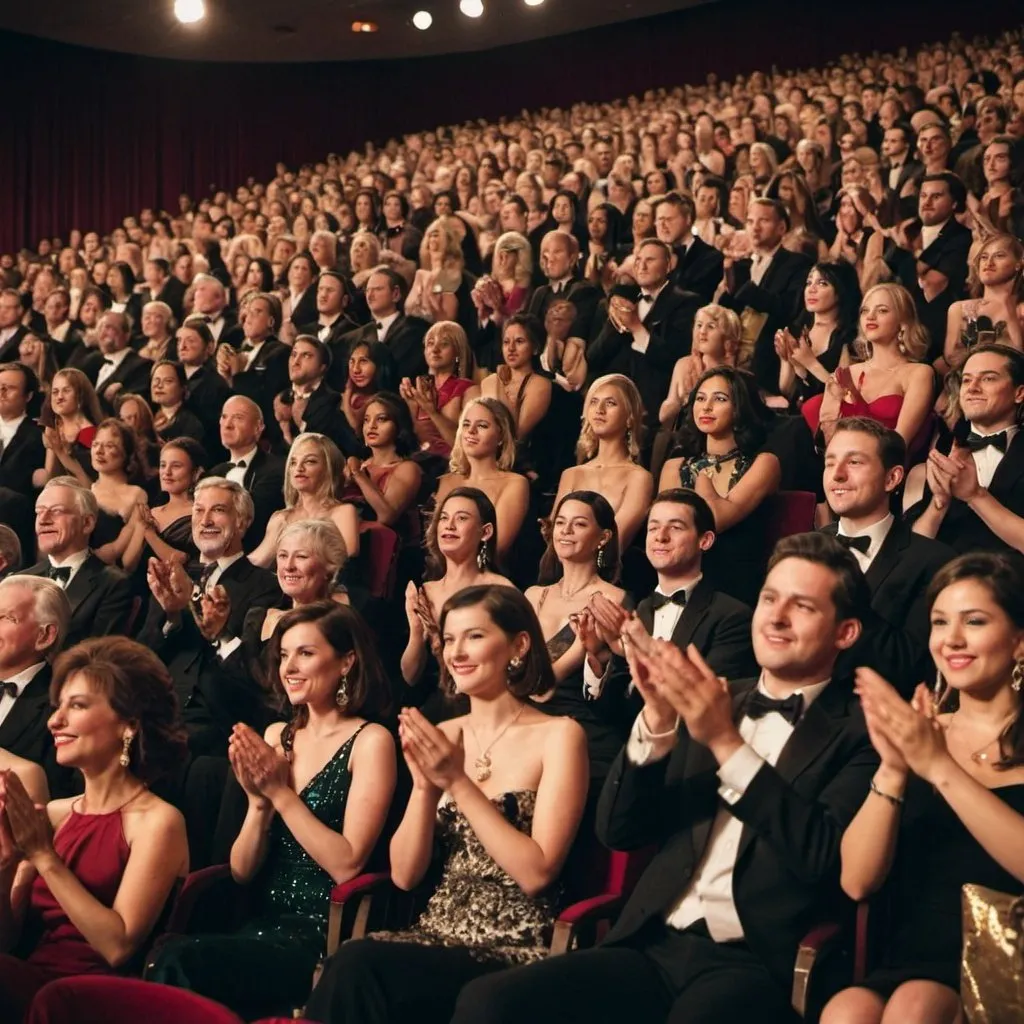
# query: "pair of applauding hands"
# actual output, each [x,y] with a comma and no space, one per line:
[25,832]
[174,591]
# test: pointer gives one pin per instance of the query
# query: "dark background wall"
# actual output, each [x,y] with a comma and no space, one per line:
[89,136]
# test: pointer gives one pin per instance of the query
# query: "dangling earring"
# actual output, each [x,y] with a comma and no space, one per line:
[600,557]
[514,666]
[939,692]
[629,438]
[126,747]
[1017,677]
[481,557]
[457,366]
[341,696]
[900,339]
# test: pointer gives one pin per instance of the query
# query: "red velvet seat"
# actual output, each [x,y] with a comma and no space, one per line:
[790,512]
[382,545]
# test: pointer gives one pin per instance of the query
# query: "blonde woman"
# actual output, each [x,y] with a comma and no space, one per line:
[435,401]
[504,292]
[716,342]
[432,296]
[889,383]
[483,455]
[312,478]
[364,257]
[608,453]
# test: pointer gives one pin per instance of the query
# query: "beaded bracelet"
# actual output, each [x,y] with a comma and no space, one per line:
[896,801]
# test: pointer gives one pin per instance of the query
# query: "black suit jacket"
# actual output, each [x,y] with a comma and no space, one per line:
[100,597]
[895,644]
[342,326]
[670,324]
[699,269]
[266,378]
[207,393]
[717,624]
[305,311]
[213,700]
[69,352]
[404,339]
[264,480]
[23,732]
[9,350]
[22,456]
[172,293]
[324,416]
[962,529]
[786,876]
[779,296]
[583,295]
[132,374]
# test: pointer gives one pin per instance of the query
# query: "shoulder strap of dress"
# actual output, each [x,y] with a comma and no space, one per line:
[350,743]
[520,394]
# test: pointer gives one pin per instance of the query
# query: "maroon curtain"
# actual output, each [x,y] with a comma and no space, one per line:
[88,137]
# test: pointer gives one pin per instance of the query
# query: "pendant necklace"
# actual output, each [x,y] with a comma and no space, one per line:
[483,763]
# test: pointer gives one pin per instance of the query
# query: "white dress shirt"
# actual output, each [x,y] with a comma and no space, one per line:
[7,333]
[561,286]
[930,232]
[21,680]
[251,355]
[237,472]
[666,618]
[216,325]
[8,428]
[642,336]
[226,644]
[60,332]
[709,896]
[385,325]
[73,562]
[986,460]
[108,368]
[759,264]
[894,175]
[876,533]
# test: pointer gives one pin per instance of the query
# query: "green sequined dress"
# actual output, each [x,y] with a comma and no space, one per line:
[266,967]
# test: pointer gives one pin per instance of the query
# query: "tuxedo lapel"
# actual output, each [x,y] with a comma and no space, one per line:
[396,325]
[1011,465]
[695,610]
[888,557]
[28,708]
[81,583]
[645,613]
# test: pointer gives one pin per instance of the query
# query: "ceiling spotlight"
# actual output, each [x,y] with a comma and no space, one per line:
[364,26]
[471,8]
[189,11]
[533,3]
[423,20]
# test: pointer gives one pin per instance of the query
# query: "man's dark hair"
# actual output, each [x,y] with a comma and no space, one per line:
[892,449]
[703,517]
[685,203]
[957,189]
[850,595]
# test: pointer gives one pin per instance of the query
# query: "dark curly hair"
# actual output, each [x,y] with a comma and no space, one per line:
[752,419]
[140,691]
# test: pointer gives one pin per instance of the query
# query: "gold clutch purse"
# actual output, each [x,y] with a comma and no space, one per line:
[992,963]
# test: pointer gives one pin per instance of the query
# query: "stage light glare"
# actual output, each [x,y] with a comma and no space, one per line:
[533,3]
[471,8]
[423,20]
[189,11]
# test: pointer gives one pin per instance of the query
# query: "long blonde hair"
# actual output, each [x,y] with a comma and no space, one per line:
[913,335]
[506,454]
[333,462]
[450,331]
[586,446]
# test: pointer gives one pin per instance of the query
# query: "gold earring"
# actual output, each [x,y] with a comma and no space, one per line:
[126,747]
[1017,677]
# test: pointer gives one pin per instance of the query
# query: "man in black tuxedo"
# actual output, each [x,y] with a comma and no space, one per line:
[384,291]
[901,173]
[259,369]
[766,290]
[34,616]
[698,266]
[210,299]
[311,404]
[207,389]
[10,551]
[644,339]
[193,650]
[11,328]
[163,286]
[117,368]
[559,255]
[332,300]
[100,595]
[64,339]
[863,470]
[684,608]
[21,440]
[261,474]
[746,788]
[974,493]
[930,258]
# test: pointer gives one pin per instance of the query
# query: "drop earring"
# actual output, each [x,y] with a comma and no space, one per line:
[126,750]
[600,558]
[341,695]
[1017,677]
[481,557]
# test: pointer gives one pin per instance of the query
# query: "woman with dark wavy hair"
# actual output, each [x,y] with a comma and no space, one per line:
[318,790]
[727,460]
[84,881]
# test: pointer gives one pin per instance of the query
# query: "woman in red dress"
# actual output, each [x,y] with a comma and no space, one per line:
[84,880]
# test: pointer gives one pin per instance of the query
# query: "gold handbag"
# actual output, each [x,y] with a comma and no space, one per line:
[992,964]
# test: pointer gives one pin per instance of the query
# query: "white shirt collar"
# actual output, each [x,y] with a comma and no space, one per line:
[561,284]
[247,457]
[75,561]
[117,358]
[930,233]
[60,332]
[767,257]
[656,292]
[385,323]
[876,533]
[8,428]
[23,678]
[688,589]
[225,561]
[1009,431]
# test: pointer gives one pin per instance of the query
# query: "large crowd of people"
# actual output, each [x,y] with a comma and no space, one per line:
[646,474]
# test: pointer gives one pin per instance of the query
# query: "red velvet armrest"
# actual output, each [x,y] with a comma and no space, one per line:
[813,944]
[590,911]
[362,887]
[196,885]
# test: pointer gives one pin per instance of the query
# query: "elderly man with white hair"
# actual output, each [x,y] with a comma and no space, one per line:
[34,617]
[210,299]
[195,621]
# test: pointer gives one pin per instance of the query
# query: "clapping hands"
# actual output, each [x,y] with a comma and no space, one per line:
[434,761]
[25,831]
[260,769]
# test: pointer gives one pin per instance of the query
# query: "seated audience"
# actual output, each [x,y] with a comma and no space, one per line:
[559,253]
[318,788]
[116,367]
[312,485]
[10,551]
[99,594]
[118,469]
[564,356]
[750,785]
[135,413]
[371,368]
[859,239]
[68,439]
[156,329]
[698,266]
[207,390]
[21,440]
[732,463]
[483,455]
[499,792]
[946,806]
[168,389]
[85,879]
[332,300]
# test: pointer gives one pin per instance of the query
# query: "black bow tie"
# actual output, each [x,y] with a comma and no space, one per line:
[60,573]
[238,465]
[860,544]
[646,298]
[397,230]
[11,689]
[108,362]
[379,326]
[976,442]
[758,705]
[659,600]
[246,347]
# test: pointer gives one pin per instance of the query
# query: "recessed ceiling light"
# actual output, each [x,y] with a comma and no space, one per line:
[533,3]
[471,8]
[423,20]
[364,26]
[189,11]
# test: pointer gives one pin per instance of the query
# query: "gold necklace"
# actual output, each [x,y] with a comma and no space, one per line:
[981,755]
[583,586]
[483,763]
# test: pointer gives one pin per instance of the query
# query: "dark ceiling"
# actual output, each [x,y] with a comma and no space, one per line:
[312,30]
